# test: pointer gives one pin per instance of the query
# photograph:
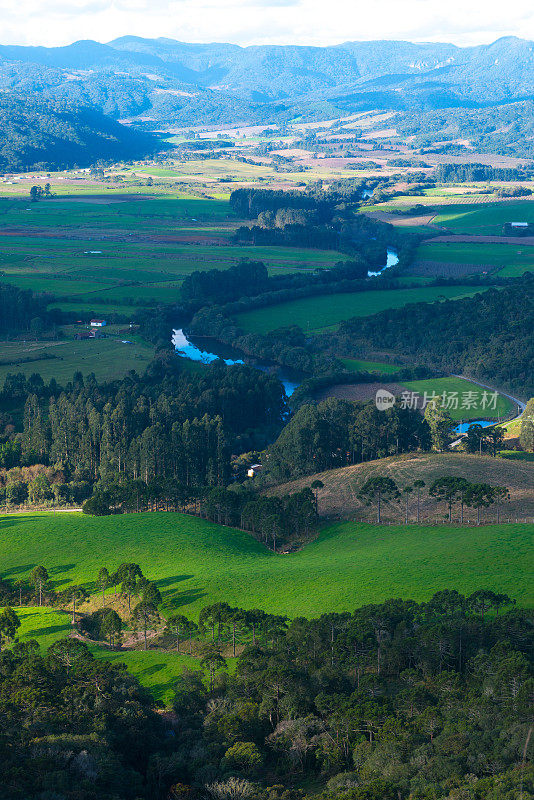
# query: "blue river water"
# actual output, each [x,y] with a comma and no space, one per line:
[193,349]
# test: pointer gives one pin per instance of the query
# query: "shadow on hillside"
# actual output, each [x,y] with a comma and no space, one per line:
[172,579]
[61,568]
[47,631]
[151,670]
[177,599]
[18,570]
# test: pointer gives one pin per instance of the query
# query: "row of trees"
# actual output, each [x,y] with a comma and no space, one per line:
[448,489]
[273,520]
[166,424]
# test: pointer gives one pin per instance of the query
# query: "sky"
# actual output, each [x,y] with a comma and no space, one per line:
[244,22]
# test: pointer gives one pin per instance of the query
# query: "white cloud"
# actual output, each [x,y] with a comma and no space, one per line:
[313,22]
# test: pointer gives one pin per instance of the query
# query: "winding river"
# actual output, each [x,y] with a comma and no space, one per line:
[194,349]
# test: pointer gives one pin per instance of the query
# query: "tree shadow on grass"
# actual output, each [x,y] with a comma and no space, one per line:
[151,670]
[60,583]
[61,568]
[16,570]
[173,579]
[176,599]
[47,631]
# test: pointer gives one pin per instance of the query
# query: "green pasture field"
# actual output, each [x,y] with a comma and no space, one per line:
[124,213]
[355,365]
[509,260]
[504,406]
[107,358]
[197,563]
[326,311]
[485,219]
[45,625]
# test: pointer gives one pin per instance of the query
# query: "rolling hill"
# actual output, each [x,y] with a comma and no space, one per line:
[197,563]
[339,498]
[40,134]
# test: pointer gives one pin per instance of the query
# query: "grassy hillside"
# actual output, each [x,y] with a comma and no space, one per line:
[319,313]
[339,495]
[196,562]
[485,219]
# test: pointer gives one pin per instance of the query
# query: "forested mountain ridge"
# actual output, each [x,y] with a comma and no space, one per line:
[177,82]
[53,135]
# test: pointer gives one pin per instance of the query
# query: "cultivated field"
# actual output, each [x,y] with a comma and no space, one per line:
[114,254]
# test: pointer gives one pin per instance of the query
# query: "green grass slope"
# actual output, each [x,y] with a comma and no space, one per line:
[319,313]
[197,562]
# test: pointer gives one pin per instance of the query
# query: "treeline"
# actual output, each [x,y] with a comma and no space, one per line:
[242,279]
[489,336]
[249,203]
[321,237]
[465,173]
[336,433]
[19,308]
[272,520]
[314,218]
[169,423]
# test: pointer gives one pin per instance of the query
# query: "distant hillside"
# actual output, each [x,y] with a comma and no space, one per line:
[45,135]
[175,82]
[339,498]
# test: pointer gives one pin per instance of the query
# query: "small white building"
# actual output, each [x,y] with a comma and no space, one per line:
[97,323]
[253,470]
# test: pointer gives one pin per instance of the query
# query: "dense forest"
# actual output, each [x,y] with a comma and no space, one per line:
[20,308]
[37,134]
[462,173]
[168,423]
[336,433]
[488,336]
[426,701]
